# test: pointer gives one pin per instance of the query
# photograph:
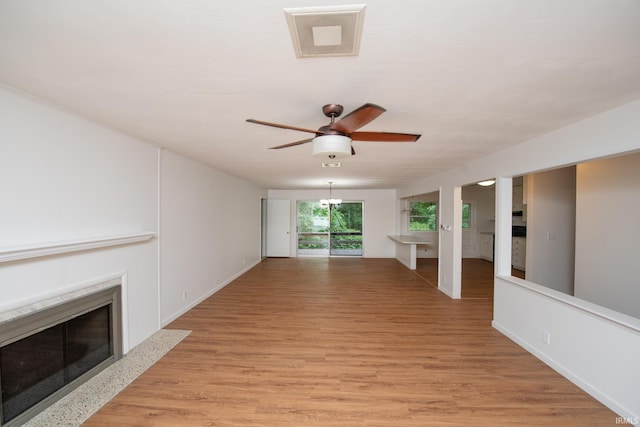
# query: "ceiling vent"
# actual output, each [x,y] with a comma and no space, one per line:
[326,31]
[332,165]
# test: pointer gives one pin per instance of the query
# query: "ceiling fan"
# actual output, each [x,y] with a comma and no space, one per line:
[334,140]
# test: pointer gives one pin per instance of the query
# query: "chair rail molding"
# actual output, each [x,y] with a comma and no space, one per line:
[36,250]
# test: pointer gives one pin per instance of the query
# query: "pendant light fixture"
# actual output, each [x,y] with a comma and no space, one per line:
[330,202]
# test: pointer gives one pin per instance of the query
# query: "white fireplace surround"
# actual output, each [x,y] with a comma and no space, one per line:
[23,308]
[8,254]
[28,309]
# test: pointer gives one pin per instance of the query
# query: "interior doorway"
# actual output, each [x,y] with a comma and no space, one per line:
[478,227]
[469,233]
[329,230]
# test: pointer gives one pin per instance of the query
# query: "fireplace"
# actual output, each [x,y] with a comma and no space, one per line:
[50,348]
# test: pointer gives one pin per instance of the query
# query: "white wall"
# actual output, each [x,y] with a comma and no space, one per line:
[380,212]
[61,178]
[595,348]
[613,132]
[450,241]
[608,234]
[551,209]
[209,228]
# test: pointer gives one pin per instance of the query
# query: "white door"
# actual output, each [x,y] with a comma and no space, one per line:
[469,230]
[278,228]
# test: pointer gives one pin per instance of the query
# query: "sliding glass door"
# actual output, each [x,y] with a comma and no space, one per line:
[313,229]
[346,229]
[329,231]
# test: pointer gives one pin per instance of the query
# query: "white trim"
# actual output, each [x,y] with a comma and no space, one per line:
[25,310]
[448,293]
[597,393]
[604,313]
[183,310]
[8,254]
[594,347]
[160,241]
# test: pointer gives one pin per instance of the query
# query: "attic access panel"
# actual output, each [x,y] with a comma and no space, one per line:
[326,31]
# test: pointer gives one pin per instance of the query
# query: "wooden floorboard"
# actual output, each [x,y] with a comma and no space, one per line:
[477,275]
[346,342]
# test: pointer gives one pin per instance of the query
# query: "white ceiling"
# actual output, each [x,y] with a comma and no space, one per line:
[471,76]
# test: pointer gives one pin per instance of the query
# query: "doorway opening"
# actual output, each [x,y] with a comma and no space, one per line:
[469,233]
[478,227]
[329,230]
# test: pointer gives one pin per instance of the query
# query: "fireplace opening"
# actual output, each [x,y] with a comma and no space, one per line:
[46,354]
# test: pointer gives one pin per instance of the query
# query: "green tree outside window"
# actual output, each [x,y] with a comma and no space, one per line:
[466,215]
[423,216]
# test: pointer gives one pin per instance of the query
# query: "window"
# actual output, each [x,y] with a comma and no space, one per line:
[466,215]
[324,232]
[423,216]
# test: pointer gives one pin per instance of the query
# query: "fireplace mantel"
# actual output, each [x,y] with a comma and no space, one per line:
[8,254]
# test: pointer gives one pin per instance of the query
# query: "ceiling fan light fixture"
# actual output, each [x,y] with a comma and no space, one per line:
[332,146]
[487,183]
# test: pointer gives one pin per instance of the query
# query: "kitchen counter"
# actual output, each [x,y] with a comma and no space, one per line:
[409,239]
[406,248]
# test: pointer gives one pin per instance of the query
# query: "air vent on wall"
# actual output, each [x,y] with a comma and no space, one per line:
[326,31]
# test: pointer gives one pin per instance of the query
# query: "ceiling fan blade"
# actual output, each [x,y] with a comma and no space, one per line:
[276,125]
[384,137]
[291,144]
[357,118]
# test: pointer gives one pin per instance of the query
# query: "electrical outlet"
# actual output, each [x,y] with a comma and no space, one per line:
[551,235]
[546,337]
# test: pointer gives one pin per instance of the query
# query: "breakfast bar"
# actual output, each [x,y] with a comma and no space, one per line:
[406,248]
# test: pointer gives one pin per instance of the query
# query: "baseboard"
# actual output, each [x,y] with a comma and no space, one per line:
[221,285]
[449,294]
[589,388]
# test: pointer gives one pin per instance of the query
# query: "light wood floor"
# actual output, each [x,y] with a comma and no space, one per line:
[477,276]
[346,342]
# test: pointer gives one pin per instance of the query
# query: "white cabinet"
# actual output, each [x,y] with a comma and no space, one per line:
[518,252]
[517,194]
[486,246]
